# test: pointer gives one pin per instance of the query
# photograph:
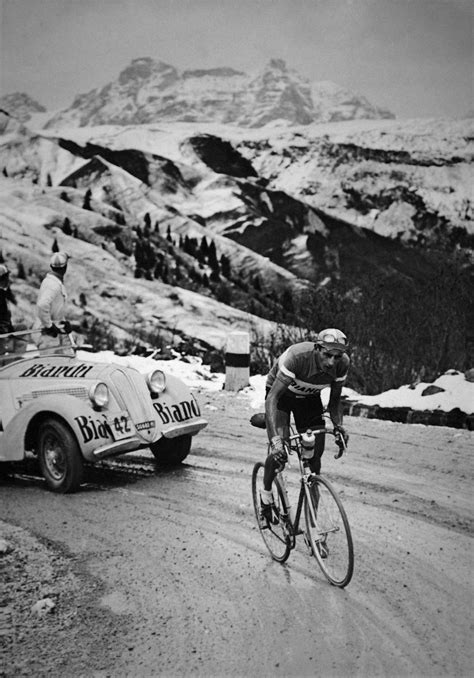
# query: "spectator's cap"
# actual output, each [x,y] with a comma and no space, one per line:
[59,260]
[332,340]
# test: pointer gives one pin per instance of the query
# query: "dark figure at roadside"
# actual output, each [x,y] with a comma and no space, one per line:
[6,296]
[294,386]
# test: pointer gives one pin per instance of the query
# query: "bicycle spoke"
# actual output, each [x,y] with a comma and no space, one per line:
[328,532]
[275,533]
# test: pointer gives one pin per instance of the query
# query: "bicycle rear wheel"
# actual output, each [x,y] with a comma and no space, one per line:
[276,533]
[328,532]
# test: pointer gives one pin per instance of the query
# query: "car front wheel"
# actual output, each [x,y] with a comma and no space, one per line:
[59,456]
[171,451]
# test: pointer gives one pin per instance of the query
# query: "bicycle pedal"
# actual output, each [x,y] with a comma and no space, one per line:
[323,549]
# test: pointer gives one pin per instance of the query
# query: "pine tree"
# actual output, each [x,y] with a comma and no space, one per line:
[168,234]
[49,181]
[212,256]
[67,230]
[21,271]
[86,205]
[55,247]
[119,244]
[5,173]
[204,247]
[225,266]
[158,269]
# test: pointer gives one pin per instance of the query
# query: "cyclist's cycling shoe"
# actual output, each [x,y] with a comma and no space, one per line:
[323,548]
[268,513]
[308,544]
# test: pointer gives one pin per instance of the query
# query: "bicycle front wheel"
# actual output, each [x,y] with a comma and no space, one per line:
[276,531]
[328,531]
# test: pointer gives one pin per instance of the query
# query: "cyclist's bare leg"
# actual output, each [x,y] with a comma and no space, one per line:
[315,463]
[271,467]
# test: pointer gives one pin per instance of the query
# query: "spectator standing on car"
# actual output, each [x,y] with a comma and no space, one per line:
[51,306]
[6,296]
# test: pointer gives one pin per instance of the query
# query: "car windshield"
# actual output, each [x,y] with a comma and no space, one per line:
[24,344]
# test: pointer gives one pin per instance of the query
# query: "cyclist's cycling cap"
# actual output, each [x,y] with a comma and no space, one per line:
[4,272]
[332,340]
[59,260]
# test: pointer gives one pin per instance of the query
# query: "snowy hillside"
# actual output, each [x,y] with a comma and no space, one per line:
[100,279]
[182,232]
[410,179]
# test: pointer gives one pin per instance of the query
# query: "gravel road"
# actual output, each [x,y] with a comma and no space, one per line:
[156,572]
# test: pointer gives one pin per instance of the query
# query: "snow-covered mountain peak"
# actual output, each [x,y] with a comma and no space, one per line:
[144,68]
[147,91]
[20,105]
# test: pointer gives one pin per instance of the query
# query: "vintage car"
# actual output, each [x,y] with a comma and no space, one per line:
[69,411]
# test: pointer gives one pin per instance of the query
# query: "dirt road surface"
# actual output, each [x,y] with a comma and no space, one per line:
[159,572]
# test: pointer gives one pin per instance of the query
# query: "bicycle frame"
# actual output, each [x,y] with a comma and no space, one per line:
[306,473]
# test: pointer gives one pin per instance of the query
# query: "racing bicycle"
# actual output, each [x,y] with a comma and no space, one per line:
[327,533]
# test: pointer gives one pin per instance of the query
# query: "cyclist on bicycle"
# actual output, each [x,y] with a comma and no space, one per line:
[294,386]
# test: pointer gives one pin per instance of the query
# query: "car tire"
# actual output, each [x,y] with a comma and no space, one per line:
[171,451]
[59,456]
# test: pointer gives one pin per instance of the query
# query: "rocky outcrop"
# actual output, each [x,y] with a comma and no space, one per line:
[20,106]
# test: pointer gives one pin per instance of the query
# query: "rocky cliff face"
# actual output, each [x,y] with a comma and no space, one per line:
[148,91]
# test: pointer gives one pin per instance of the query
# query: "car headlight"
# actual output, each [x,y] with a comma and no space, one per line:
[156,381]
[99,394]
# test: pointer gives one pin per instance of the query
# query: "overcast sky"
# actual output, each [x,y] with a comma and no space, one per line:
[414,57]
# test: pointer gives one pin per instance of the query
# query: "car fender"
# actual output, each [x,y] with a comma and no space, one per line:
[69,408]
[178,411]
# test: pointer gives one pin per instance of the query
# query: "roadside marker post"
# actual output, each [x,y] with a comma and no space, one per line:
[237,361]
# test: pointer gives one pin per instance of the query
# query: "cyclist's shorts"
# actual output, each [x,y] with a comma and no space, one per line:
[307,412]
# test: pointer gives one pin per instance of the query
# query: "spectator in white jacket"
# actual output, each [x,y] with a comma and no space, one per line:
[51,305]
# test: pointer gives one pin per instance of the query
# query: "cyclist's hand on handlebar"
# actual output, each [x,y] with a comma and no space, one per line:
[342,439]
[339,429]
[278,451]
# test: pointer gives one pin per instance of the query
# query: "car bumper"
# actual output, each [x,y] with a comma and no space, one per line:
[130,444]
[184,429]
[118,447]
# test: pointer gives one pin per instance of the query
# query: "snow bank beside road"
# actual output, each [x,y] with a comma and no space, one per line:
[457,391]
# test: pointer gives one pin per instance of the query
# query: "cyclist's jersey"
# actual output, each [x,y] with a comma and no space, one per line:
[298,368]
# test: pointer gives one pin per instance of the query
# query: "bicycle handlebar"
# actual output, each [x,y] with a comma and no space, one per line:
[339,440]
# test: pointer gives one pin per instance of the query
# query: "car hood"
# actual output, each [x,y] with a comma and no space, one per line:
[58,367]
